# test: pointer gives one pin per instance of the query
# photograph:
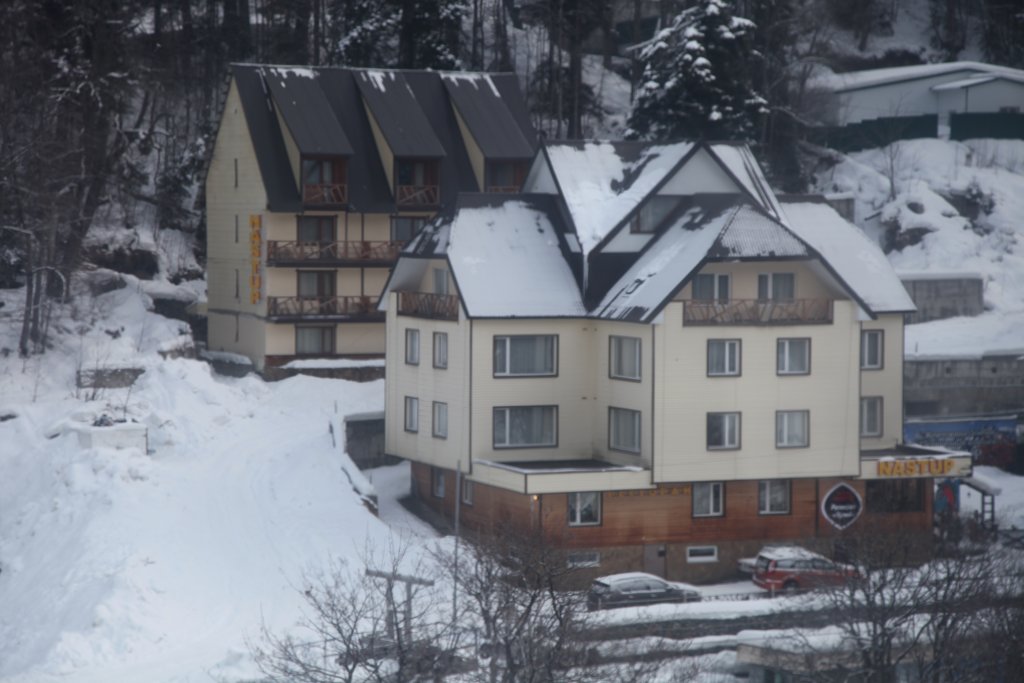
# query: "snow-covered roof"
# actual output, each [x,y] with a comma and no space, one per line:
[506,258]
[855,80]
[739,161]
[602,182]
[853,257]
[963,83]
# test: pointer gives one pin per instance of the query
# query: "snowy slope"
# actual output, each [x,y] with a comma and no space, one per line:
[120,565]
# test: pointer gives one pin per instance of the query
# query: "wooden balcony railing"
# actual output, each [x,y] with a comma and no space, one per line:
[757,312]
[342,307]
[333,193]
[285,252]
[426,195]
[503,188]
[422,305]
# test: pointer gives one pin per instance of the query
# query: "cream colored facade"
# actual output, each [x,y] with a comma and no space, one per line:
[673,395]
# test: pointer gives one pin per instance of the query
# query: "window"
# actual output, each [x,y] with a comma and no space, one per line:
[437,482]
[237,285]
[871,350]
[898,495]
[710,287]
[416,181]
[652,213]
[236,228]
[624,357]
[708,499]
[723,431]
[440,281]
[776,287]
[316,229]
[505,176]
[404,228]
[701,553]
[871,416]
[441,350]
[412,414]
[793,357]
[324,181]
[583,558]
[440,420]
[315,284]
[313,340]
[525,355]
[467,492]
[773,497]
[585,508]
[525,426]
[792,428]
[412,346]
[723,357]
[624,430]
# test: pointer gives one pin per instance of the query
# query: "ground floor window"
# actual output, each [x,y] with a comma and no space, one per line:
[701,553]
[313,340]
[585,508]
[583,558]
[708,499]
[437,482]
[773,496]
[896,495]
[467,492]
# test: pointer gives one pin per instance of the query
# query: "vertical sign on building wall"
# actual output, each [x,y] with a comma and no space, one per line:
[255,248]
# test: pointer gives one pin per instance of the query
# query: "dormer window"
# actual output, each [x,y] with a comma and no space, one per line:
[505,176]
[652,213]
[324,181]
[417,182]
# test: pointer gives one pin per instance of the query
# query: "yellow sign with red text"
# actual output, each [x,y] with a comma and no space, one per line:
[255,252]
[901,468]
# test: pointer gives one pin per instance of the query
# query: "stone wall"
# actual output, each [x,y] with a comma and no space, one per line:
[991,384]
[939,297]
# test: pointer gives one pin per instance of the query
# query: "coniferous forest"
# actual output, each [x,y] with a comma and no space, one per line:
[108,107]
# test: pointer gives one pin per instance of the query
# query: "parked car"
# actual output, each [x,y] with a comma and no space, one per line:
[791,569]
[637,588]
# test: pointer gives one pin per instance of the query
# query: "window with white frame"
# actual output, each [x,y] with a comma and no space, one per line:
[584,508]
[579,559]
[624,357]
[776,286]
[467,492]
[412,414]
[440,420]
[437,482]
[412,346]
[440,281]
[723,431]
[773,496]
[696,554]
[525,355]
[651,214]
[525,426]
[792,428]
[441,350]
[871,416]
[871,349]
[723,357]
[624,430]
[711,287]
[793,356]
[708,499]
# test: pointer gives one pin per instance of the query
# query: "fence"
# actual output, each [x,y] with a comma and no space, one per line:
[875,132]
[1004,125]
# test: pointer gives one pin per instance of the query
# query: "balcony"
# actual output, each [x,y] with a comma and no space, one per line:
[758,312]
[323,308]
[325,194]
[417,195]
[422,305]
[293,254]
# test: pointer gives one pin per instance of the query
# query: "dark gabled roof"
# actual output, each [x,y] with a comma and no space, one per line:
[271,155]
[398,114]
[477,99]
[368,188]
[306,112]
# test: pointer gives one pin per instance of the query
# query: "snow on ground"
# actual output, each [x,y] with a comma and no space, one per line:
[926,173]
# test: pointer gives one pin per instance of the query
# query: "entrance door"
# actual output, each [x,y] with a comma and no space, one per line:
[654,559]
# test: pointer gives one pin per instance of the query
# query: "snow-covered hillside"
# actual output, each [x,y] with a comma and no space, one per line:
[122,565]
[927,173]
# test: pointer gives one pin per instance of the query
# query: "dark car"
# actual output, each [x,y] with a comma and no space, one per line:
[637,588]
[792,569]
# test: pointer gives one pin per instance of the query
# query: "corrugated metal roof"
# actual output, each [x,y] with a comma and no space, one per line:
[304,107]
[479,102]
[398,114]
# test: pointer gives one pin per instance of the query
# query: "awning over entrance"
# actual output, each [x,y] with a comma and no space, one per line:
[561,476]
[911,462]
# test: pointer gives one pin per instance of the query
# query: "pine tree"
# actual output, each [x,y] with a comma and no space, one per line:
[696,79]
[362,33]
